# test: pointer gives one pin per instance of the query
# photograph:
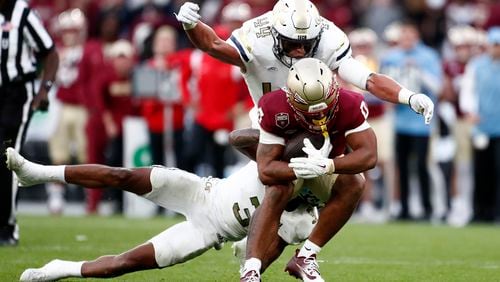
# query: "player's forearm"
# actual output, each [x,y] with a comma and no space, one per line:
[384,88]
[355,162]
[51,63]
[276,173]
[203,37]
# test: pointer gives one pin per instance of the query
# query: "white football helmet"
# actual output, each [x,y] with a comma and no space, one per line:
[71,19]
[71,25]
[295,22]
[313,93]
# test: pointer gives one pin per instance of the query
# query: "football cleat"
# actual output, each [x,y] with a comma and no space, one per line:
[16,163]
[304,268]
[250,276]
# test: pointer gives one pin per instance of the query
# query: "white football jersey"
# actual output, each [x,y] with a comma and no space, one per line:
[222,207]
[234,200]
[264,72]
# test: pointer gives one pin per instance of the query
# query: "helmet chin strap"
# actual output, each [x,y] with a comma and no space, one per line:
[322,124]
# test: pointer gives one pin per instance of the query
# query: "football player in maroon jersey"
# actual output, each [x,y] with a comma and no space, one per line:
[311,101]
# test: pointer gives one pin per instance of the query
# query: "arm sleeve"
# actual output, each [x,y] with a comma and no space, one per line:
[269,138]
[354,72]
[241,40]
[38,37]
[335,45]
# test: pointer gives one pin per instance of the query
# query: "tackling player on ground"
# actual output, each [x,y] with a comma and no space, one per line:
[216,210]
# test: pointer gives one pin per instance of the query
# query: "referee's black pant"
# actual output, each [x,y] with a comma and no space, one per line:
[15,112]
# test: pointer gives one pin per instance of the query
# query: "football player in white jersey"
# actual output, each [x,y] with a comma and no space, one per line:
[266,46]
[216,210]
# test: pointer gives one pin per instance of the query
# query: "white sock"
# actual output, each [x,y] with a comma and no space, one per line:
[308,249]
[252,264]
[72,268]
[57,269]
[45,173]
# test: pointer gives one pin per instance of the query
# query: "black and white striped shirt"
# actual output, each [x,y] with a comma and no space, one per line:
[23,38]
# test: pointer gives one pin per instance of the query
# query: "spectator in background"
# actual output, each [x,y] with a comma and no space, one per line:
[363,42]
[113,101]
[416,66]
[391,34]
[94,64]
[69,138]
[479,99]
[167,104]
[379,14]
[462,12]
[214,116]
[453,150]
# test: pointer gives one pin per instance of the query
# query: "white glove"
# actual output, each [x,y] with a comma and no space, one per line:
[303,172]
[312,166]
[311,151]
[423,105]
[188,15]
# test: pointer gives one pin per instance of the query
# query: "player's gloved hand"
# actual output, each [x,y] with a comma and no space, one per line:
[423,105]
[188,15]
[313,166]
[303,171]
[311,151]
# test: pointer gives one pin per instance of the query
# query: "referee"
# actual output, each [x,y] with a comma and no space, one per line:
[24,44]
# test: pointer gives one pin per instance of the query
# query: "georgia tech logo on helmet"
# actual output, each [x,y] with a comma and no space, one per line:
[282,120]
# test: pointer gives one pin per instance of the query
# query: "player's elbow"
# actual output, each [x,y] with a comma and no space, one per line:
[266,176]
[266,179]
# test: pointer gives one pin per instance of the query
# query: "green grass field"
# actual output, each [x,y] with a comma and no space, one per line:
[392,252]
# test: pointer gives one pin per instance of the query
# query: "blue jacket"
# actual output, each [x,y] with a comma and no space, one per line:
[487,89]
[419,70]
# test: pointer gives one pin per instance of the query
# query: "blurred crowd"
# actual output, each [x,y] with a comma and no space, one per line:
[121,58]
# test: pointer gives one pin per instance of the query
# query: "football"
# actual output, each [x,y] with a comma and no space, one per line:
[294,145]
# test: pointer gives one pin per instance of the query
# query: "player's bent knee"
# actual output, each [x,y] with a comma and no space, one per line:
[241,138]
[351,183]
[278,193]
[181,243]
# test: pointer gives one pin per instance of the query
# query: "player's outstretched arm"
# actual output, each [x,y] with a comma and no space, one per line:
[384,87]
[204,37]
[245,141]
[387,89]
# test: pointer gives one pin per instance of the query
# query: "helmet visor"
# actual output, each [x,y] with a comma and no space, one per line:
[291,45]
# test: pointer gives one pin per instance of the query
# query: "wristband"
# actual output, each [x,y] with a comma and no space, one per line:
[186,26]
[404,96]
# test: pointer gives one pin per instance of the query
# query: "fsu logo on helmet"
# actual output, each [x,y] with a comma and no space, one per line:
[282,120]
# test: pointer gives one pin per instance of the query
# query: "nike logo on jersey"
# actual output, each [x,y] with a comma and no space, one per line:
[272,68]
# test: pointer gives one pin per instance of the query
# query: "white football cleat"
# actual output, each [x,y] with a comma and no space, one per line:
[17,164]
[49,272]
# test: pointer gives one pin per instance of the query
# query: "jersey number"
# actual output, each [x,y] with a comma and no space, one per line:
[245,220]
[364,109]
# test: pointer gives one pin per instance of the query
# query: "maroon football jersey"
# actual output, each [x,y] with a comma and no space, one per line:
[277,117]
